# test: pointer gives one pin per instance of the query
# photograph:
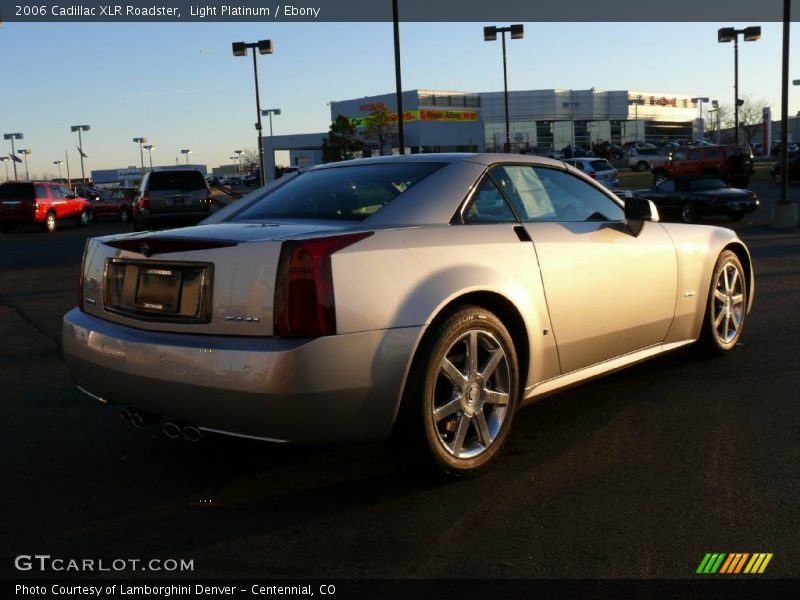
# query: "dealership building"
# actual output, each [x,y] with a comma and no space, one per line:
[457,121]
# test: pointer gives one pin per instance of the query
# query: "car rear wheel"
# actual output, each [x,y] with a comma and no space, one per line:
[778,179]
[50,222]
[642,166]
[688,213]
[123,215]
[727,305]
[464,390]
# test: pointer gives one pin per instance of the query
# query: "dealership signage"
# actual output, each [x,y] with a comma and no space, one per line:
[128,173]
[420,115]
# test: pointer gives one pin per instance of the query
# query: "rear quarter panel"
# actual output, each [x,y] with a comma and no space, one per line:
[406,277]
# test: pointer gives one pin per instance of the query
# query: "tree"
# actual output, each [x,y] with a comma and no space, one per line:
[381,126]
[750,117]
[249,160]
[342,142]
[715,122]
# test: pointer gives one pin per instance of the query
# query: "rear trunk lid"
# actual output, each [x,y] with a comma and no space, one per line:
[17,199]
[214,279]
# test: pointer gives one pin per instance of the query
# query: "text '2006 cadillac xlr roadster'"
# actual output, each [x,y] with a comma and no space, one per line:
[428,294]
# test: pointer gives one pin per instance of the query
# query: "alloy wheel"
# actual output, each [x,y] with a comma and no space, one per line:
[728,303]
[471,394]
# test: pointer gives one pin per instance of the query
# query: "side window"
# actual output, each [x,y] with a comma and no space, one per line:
[544,194]
[666,186]
[41,192]
[488,205]
[713,154]
[694,154]
[57,192]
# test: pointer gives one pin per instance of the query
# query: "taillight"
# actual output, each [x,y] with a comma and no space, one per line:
[593,174]
[144,201]
[80,278]
[304,304]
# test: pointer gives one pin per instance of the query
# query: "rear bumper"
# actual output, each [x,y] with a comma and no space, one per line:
[336,388]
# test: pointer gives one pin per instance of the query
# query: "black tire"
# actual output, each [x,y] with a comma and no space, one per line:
[688,213]
[7,227]
[727,303]
[461,405]
[84,218]
[777,178]
[642,166]
[50,222]
[124,216]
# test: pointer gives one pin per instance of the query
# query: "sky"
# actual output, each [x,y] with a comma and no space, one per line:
[179,85]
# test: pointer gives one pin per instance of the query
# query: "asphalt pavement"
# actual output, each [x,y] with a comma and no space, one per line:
[635,475]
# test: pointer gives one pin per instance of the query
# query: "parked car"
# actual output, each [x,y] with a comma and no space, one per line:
[596,168]
[794,149]
[691,198]
[547,152]
[646,159]
[732,163]
[794,170]
[42,203]
[250,179]
[213,180]
[398,293]
[114,203]
[171,197]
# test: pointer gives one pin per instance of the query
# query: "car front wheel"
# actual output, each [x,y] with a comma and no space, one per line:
[465,389]
[727,305]
[123,215]
[85,217]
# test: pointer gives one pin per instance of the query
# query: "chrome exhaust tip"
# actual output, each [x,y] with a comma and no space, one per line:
[191,433]
[126,415]
[172,430]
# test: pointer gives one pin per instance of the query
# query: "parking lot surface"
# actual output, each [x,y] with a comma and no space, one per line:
[635,475]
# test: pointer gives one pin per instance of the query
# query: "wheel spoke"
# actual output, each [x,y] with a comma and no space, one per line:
[719,318]
[483,429]
[498,398]
[461,433]
[727,327]
[720,295]
[736,320]
[448,409]
[473,353]
[452,373]
[491,364]
[726,280]
[734,279]
[737,299]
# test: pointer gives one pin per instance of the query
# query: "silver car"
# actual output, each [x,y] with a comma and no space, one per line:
[430,295]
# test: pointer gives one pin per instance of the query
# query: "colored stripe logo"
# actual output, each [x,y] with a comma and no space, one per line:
[734,563]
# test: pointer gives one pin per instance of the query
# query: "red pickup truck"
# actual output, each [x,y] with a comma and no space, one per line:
[40,202]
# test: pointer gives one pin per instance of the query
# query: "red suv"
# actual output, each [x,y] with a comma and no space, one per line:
[114,203]
[733,163]
[40,202]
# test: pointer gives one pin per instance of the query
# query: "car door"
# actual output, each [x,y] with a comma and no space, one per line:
[58,201]
[609,292]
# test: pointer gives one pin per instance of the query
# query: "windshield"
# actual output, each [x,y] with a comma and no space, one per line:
[350,193]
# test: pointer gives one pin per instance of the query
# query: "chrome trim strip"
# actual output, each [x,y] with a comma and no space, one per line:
[91,395]
[242,435]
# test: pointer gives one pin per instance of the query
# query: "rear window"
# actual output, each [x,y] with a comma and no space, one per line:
[184,181]
[16,191]
[346,193]
[601,165]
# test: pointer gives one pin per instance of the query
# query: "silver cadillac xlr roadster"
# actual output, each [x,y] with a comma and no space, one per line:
[431,294]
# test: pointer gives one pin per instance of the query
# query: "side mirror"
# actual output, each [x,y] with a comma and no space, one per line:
[639,210]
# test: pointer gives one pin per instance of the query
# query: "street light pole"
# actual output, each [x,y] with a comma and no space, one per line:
[270,112]
[150,148]
[59,163]
[12,137]
[25,152]
[238,157]
[401,138]
[186,152]
[731,34]
[141,141]
[79,129]
[490,35]
[264,47]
